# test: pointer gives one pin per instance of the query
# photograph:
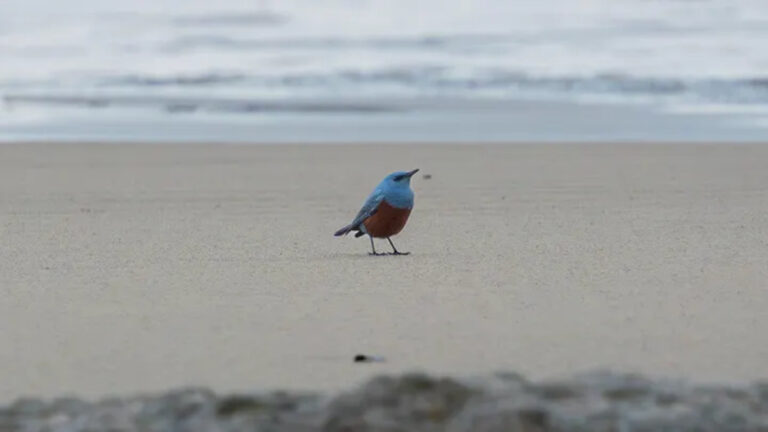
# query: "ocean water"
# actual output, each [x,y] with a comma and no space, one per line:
[69,68]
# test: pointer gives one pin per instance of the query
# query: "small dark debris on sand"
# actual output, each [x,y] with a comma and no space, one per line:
[592,402]
[363,358]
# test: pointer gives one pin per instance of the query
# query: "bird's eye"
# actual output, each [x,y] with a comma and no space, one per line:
[398,178]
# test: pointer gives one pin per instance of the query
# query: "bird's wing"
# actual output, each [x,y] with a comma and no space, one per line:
[369,207]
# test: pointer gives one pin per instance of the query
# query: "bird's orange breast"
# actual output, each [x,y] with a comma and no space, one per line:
[387,221]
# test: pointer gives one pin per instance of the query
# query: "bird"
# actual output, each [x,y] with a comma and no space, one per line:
[385,212]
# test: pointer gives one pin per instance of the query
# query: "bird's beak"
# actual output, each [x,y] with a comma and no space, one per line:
[411,173]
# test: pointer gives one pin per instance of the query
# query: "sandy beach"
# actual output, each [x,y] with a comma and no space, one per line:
[137,268]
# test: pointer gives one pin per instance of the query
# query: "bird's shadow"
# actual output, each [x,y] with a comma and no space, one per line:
[361,256]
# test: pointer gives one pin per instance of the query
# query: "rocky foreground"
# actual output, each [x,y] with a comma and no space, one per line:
[504,402]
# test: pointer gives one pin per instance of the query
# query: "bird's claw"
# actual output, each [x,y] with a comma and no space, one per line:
[388,253]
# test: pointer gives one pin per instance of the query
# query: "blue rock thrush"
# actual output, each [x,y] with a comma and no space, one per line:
[386,210]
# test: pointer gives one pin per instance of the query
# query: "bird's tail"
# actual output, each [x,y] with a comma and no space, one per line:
[344,231]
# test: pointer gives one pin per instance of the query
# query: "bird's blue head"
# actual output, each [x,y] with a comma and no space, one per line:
[397,188]
[400,178]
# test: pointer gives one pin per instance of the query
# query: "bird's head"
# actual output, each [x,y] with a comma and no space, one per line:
[400,178]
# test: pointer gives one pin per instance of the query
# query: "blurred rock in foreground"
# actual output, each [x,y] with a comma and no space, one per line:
[592,402]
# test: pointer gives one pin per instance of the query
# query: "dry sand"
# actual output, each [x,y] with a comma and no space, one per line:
[133,268]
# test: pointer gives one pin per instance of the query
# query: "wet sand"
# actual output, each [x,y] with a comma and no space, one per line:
[138,268]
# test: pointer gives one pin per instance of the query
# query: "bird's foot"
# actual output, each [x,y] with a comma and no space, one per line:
[377,254]
[399,253]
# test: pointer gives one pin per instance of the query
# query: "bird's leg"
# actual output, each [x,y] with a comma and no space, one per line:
[395,251]
[373,248]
